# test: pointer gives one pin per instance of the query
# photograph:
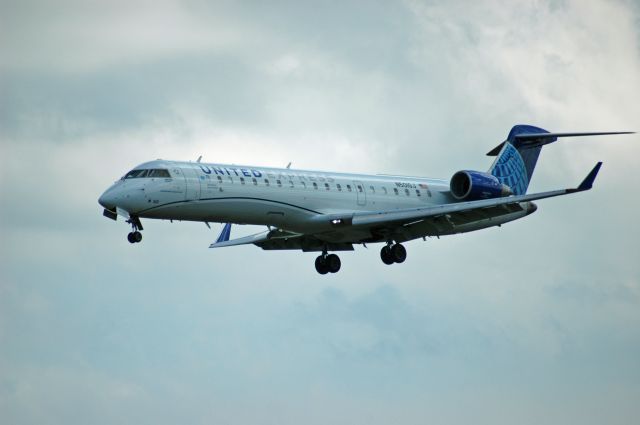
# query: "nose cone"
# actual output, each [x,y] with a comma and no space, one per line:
[107,200]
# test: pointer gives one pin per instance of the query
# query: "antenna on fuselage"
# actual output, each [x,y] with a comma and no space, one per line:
[199,158]
[289,165]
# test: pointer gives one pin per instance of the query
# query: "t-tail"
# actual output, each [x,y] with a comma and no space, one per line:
[517,156]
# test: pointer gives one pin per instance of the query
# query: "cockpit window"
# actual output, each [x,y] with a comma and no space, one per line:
[157,172]
[133,174]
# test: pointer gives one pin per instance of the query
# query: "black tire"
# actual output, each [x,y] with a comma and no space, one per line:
[137,236]
[130,238]
[385,255]
[398,253]
[333,263]
[321,265]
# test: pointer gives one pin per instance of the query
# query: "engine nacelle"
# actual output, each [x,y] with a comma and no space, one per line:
[469,185]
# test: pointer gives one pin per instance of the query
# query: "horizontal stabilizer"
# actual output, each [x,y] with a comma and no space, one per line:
[540,139]
[539,136]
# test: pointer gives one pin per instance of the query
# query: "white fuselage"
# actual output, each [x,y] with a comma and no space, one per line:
[284,198]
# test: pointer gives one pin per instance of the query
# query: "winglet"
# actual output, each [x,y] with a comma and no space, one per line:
[587,183]
[225,234]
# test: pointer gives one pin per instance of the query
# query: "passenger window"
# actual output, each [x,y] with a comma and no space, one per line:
[418,192]
[429,193]
[304,185]
[219,179]
[395,190]
[279,183]
[255,182]
[291,183]
[349,188]
[339,187]
[326,185]
[384,190]
[315,185]
[241,180]
[406,192]
[373,189]
[266,182]
[359,188]
[230,179]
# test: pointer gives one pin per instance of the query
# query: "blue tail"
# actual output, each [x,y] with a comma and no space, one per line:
[517,156]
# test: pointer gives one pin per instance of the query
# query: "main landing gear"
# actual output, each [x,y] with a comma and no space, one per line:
[327,263]
[390,253]
[395,253]
[135,236]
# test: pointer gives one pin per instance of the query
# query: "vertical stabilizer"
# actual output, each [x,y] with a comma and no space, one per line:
[517,157]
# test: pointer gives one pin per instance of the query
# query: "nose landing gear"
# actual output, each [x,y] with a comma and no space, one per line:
[393,253]
[135,236]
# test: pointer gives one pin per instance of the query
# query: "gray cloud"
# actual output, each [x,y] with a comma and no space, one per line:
[534,322]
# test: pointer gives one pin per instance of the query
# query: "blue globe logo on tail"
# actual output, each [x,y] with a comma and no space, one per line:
[509,169]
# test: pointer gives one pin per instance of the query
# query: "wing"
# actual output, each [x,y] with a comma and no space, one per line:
[256,238]
[463,211]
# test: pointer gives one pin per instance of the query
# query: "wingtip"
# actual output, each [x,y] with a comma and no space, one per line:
[225,234]
[587,183]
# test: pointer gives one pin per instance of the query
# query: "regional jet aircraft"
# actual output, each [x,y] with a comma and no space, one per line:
[328,212]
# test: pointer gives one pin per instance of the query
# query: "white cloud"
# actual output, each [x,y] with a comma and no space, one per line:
[78,36]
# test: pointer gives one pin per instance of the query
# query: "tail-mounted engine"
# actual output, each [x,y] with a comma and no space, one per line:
[469,185]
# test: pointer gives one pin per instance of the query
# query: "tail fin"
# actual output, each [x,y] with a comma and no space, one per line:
[515,160]
[517,156]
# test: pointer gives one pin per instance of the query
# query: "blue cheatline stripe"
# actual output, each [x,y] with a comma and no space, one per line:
[510,170]
[228,198]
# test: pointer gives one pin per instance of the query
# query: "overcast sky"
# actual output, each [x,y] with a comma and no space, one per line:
[534,322]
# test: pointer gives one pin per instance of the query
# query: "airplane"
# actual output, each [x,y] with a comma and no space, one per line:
[327,212]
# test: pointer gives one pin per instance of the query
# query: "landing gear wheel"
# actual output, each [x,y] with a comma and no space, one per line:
[385,255]
[398,253]
[134,236]
[321,265]
[333,263]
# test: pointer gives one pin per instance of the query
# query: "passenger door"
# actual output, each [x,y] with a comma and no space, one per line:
[360,193]
[193,183]
[161,190]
